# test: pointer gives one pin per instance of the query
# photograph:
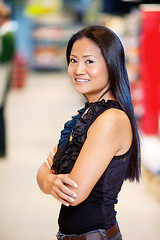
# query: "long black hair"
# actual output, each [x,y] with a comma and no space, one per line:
[113,53]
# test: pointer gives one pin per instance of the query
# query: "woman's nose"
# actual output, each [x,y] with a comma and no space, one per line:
[80,68]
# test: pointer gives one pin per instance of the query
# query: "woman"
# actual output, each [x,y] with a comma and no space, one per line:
[99,148]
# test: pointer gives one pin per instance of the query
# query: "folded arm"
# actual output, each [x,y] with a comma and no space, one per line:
[108,136]
[60,186]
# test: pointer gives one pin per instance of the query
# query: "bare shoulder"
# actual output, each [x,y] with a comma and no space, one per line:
[112,119]
[115,117]
[115,125]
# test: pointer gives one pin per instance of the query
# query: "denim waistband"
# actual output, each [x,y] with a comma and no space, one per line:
[61,236]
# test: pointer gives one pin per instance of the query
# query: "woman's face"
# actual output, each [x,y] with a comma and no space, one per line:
[88,69]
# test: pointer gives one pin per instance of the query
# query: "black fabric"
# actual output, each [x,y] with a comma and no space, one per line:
[97,211]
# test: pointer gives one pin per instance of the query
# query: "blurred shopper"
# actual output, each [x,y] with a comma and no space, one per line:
[6,57]
[99,148]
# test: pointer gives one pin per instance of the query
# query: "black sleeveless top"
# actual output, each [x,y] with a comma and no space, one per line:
[97,211]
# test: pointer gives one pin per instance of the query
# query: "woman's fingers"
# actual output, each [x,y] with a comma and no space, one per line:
[59,199]
[65,190]
[64,196]
[50,157]
[68,181]
[61,196]
[51,153]
[49,160]
[61,187]
[61,191]
[60,184]
[47,164]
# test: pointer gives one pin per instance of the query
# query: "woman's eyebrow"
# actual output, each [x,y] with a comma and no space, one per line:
[88,55]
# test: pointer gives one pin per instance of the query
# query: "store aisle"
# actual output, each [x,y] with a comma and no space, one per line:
[35,116]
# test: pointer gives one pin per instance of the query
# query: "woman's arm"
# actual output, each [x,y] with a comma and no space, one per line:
[59,186]
[108,136]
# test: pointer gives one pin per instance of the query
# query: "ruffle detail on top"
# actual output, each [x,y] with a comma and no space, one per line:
[58,163]
[68,151]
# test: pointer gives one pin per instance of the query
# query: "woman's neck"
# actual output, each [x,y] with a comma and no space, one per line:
[106,96]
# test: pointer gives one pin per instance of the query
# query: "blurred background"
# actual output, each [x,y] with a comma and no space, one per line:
[40,99]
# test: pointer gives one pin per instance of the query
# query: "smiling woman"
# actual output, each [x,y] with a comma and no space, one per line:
[99,148]
[88,69]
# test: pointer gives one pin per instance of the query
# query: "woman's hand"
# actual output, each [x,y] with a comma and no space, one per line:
[58,187]
[49,160]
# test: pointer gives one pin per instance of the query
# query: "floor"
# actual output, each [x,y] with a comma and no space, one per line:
[35,115]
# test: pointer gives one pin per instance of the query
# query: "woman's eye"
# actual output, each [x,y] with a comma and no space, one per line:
[89,61]
[72,60]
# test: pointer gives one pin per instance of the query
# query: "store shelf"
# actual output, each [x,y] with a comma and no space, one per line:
[50,37]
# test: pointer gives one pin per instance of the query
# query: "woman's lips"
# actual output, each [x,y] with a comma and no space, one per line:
[81,80]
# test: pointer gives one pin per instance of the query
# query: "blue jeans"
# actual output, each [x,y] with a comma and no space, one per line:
[102,231]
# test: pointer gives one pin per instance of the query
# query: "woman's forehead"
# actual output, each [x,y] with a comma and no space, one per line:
[85,46]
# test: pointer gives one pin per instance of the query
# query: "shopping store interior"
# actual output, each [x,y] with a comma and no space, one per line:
[41,99]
